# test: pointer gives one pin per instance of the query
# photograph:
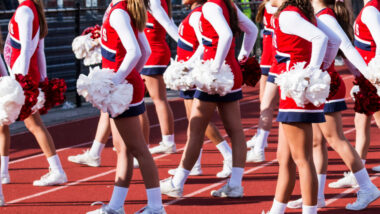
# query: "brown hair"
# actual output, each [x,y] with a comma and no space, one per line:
[233,16]
[342,15]
[1,42]
[41,18]
[137,10]
[260,12]
[304,5]
[169,3]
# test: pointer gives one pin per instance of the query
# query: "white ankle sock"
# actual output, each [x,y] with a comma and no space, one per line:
[168,139]
[363,161]
[198,163]
[309,209]
[154,198]
[262,137]
[363,179]
[277,207]
[4,165]
[225,150]
[321,185]
[55,163]
[118,197]
[236,177]
[180,177]
[96,149]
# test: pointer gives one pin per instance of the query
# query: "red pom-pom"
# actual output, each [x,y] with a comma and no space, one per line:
[366,100]
[95,31]
[251,71]
[54,93]
[31,93]
[335,83]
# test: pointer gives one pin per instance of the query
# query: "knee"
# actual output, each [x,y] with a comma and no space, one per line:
[302,161]
[317,140]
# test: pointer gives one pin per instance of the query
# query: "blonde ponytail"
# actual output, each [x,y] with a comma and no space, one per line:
[137,10]
[41,18]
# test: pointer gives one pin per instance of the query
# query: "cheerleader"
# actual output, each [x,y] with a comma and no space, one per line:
[159,21]
[188,50]
[27,30]
[219,21]
[295,134]
[367,38]
[125,50]
[260,140]
[332,129]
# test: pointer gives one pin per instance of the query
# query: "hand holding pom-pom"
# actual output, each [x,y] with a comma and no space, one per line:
[87,46]
[31,93]
[12,99]
[40,101]
[99,89]
[373,75]
[178,76]
[354,90]
[251,71]
[211,80]
[304,85]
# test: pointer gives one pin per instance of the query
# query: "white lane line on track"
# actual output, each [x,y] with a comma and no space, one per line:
[87,143]
[98,175]
[217,184]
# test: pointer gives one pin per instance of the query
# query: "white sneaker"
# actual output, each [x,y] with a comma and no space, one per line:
[2,201]
[85,159]
[364,199]
[135,164]
[168,188]
[105,209]
[348,181]
[297,204]
[227,169]
[376,168]
[148,210]
[51,178]
[195,171]
[255,156]
[227,191]
[5,179]
[252,142]
[163,148]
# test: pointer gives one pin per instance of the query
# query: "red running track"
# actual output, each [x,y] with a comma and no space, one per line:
[87,184]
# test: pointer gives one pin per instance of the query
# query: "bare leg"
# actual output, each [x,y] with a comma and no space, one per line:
[270,98]
[157,91]
[287,169]
[35,125]
[263,82]
[200,117]
[362,126]
[131,132]
[300,137]
[319,150]
[144,120]
[333,131]
[103,131]
[231,117]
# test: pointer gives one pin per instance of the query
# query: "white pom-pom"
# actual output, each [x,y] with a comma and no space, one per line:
[178,76]
[212,81]
[319,87]
[40,102]
[84,47]
[354,90]
[99,89]
[12,99]
[373,75]
[304,85]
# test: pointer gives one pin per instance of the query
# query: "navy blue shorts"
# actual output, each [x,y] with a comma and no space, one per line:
[233,96]
[301,117]
[134,110]
[187,95]
[153,70]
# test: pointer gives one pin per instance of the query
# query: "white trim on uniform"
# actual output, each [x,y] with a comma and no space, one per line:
[107,48]
[186,42]
[155,66]
[362,41]
[302,110]
[136,104]
[336,101]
